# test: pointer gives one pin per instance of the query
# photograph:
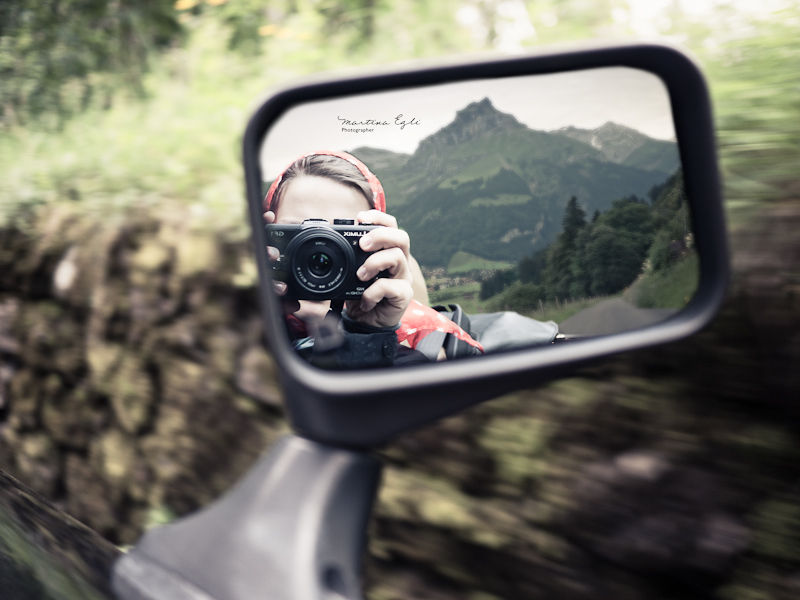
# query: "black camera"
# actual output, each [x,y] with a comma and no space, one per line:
[318,261]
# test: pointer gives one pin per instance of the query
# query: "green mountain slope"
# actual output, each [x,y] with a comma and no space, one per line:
[379,159]
[655,155]
[488,185]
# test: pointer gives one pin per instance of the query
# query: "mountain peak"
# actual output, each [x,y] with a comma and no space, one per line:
[615,141]
[485,115]
[475,120]
[484,105]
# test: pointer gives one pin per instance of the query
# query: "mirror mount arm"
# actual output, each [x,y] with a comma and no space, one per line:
[293,528]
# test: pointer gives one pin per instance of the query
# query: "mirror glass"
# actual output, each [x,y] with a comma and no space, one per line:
[519,212]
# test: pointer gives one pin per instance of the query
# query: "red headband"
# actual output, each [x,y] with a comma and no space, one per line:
[378,197]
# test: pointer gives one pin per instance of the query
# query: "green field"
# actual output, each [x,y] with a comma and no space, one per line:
[463,262]
[454,294]
[502,199]
[670,288]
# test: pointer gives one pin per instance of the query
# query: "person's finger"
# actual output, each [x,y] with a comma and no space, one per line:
[377,217]
[395,293]
[385,237]
[280,287]
[273,253]
[290,306]
[269,217]
[392,260]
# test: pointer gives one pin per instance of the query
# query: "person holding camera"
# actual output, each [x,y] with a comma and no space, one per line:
[337,187]
[387,319]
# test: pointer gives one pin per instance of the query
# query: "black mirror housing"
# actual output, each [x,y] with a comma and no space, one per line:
[367,408]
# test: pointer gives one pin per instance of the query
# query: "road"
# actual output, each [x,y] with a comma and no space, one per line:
[612,316]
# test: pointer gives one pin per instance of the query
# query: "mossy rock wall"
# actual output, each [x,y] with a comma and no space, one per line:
[133,380]
[134,388]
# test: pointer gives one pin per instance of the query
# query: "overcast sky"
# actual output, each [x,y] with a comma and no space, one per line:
[583,99]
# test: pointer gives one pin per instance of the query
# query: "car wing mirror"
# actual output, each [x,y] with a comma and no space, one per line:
[550,210]
[560,208]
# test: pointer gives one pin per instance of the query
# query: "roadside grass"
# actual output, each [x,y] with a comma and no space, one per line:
[513,298]
[561,311]
[670,288]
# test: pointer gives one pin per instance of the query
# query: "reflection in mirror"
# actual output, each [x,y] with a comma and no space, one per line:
[474,217]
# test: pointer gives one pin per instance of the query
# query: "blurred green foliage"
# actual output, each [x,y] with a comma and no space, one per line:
[756,92]
[60,57]
[179,147]
[178,143]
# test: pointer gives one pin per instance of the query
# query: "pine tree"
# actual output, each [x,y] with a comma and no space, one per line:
[558,275]
[574,219]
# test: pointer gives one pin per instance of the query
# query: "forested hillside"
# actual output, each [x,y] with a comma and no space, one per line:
[606,254]
[634,243]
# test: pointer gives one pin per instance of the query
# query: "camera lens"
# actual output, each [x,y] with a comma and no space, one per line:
[319,264]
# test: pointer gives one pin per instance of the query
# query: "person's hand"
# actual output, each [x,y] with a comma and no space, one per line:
[274,254]
[289,306]
[385,301]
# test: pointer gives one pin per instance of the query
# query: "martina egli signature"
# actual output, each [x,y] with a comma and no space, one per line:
[399,121]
